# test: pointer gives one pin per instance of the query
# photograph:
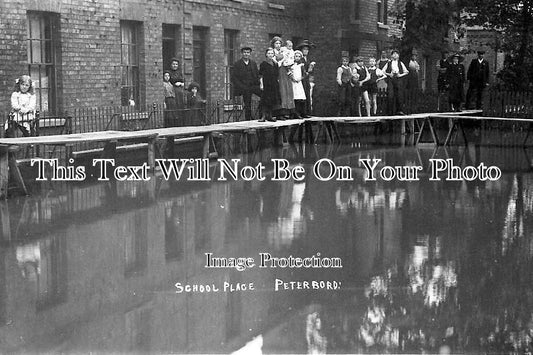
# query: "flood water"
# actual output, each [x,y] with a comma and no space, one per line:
[427,266]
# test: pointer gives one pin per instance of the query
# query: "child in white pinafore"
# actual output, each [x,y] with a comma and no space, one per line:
[23,103]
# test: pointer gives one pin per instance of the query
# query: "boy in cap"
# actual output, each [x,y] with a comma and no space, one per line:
[245,78]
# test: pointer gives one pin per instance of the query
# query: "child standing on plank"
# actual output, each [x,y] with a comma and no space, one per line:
[344,77]
[371,86]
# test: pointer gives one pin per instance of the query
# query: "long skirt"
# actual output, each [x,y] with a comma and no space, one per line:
[285,89]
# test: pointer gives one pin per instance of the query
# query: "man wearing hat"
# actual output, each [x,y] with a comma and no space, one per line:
[478,77]
[304,47]
[245,78]
[455,79]
[395,71]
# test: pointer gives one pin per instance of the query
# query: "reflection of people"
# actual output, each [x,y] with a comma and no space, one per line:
[246,80]
[23,103]
[316,340]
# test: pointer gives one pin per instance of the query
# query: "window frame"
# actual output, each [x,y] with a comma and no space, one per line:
[46,40]
[131,68]
[231,51]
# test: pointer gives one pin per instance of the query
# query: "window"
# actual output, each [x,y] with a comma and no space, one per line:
[355,10]
[230,56]
[43,51]
[383,12]
[129,63]
[199,35]
[171,44]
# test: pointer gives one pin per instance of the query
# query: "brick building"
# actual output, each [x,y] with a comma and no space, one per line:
[93,53]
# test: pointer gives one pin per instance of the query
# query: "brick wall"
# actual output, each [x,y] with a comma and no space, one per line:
[88,67]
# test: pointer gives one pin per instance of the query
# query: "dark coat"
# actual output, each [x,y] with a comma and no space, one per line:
[478,73]
[271,95]
[245,78]
[455,77]
[177,76]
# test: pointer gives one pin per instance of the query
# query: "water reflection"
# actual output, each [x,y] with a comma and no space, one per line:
[427,266]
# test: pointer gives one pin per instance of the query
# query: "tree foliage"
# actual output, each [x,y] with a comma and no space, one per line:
[514,19]
[427,23]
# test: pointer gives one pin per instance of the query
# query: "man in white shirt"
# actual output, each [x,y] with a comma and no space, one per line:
[395,70]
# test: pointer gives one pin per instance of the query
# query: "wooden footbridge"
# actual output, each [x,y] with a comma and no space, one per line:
[310,130]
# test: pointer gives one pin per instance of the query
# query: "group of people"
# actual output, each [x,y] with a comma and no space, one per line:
[177,99]
[357,82]
[452,77]
[283,80]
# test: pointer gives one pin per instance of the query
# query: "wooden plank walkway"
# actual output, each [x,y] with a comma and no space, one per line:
[326,125]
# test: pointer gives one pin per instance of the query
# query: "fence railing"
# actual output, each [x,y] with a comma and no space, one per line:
[80,120]
[508,104]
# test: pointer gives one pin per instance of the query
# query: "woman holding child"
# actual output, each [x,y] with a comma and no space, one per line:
[284,58]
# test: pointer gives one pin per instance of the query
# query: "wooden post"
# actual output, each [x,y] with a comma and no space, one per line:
[4,171]
[151,152]
[110,150]
[205,147]
[169,149]
[14,169]
[5,221]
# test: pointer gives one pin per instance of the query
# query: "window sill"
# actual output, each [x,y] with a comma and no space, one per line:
[381,25]
[276,6]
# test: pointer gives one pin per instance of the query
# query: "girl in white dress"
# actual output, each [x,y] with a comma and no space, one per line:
[297,71]
[23,103]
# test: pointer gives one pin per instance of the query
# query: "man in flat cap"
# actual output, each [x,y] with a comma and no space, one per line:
[395,70]
[245,78]
[478,77]
[309,66]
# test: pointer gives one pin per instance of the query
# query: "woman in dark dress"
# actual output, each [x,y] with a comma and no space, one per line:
[270,98]
[456,80]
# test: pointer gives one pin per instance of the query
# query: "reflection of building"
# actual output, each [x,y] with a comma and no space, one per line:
[112,284]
